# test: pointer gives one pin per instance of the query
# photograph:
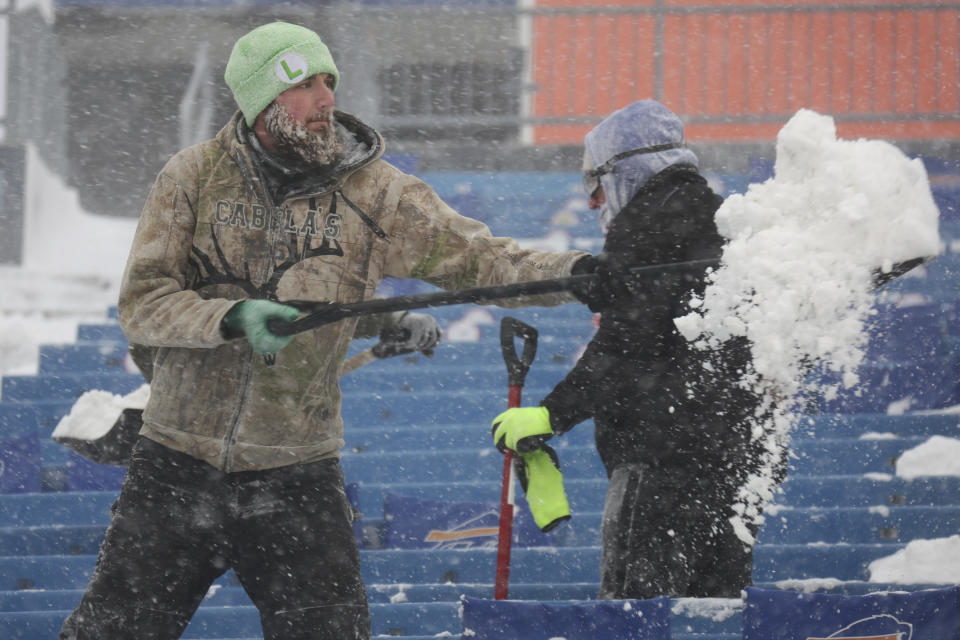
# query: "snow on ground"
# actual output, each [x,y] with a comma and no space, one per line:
[920,562]
[810,585]
[938,456]
[716,609]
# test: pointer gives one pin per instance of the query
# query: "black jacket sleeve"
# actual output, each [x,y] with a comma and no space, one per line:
[576,397]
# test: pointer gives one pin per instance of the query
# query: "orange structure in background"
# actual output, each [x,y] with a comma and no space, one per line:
[736,70]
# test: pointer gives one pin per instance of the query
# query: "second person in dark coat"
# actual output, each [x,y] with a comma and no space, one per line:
[673,423]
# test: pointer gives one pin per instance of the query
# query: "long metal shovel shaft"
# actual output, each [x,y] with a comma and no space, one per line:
[507,503]
[325,313]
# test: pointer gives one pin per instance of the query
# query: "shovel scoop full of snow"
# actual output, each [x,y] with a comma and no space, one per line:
[103,427]
[112,448]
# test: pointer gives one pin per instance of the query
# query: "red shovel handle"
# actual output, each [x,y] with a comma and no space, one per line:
[502,583]
[517,368]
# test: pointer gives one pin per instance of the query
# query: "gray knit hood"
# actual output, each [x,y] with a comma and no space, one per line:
[643,124]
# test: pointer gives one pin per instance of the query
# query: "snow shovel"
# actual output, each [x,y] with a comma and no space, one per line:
[517,368]
[319,314]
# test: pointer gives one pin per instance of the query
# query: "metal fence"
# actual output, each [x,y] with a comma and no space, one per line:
[735,70]
[112,89]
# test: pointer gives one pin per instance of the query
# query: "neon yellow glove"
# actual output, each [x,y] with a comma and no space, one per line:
[542,482]
[522,429]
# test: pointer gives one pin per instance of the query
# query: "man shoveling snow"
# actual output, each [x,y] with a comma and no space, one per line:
[103,427]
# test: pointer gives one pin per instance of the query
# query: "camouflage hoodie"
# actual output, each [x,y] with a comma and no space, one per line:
[209,235]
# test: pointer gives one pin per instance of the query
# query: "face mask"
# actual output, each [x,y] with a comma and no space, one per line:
[605,215]
[591,177]
[591,182]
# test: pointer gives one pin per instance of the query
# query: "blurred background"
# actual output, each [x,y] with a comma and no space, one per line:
[107,90]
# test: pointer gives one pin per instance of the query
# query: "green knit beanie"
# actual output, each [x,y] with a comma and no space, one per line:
[271,59]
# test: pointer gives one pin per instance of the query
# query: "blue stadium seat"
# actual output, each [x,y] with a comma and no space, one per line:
[79,358]
[85,475]
[583,494]
[67,386]
[51,540]
[575,564]
[829,457]
[56,509]
[847,456]
[846,425]
[107,332]
[392,408]
[441,376]
[868,491]
[41,415]
[775,562]
[907,334]
[470,433]
[455,465]
[883,385]
[858,525]
[20,468]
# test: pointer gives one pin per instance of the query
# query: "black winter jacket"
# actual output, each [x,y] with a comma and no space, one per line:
[654,398]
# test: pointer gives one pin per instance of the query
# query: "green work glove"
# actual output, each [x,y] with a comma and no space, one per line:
[522,429]
[542,482]
[249,318]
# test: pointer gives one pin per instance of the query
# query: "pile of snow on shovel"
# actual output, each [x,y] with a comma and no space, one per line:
[797,273]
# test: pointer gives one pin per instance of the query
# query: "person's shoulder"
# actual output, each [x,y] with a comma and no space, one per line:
[195,159]
[207,154]
[679,175]
[681,182]
[383,172]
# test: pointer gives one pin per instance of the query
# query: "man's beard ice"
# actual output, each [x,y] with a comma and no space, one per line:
[294,139]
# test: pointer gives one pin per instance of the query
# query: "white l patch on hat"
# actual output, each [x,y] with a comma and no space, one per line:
[291,68]
[269,60]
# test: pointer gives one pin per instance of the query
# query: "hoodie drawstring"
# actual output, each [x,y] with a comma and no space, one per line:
[363,216]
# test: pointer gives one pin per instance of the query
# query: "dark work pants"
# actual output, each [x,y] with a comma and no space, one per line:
[666,531]
[179,524]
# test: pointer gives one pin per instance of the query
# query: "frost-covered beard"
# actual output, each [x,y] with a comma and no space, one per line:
[292,138]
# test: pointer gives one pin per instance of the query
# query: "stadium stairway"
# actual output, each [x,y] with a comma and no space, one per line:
[418,428]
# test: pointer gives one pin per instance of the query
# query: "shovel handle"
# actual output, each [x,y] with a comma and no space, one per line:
[505,533]
[517,367]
